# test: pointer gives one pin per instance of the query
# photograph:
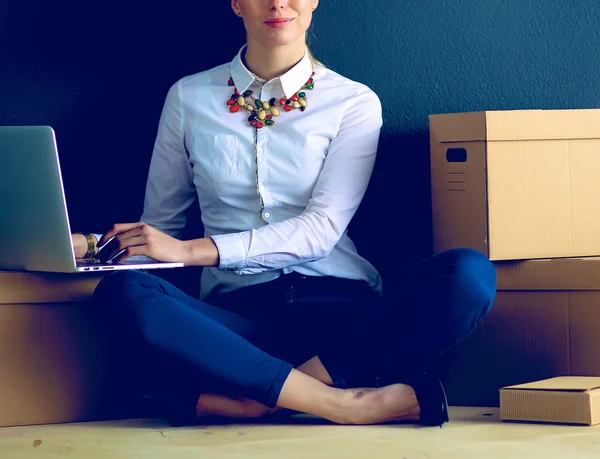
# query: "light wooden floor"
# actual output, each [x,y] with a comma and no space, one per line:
[472,433]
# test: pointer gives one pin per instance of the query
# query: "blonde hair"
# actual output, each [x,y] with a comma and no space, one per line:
[307,38]
[314,61]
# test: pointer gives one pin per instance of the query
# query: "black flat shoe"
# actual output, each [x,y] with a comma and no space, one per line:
[432,399]
[182,409]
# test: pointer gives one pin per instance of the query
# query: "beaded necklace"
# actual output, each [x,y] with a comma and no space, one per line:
[263,113]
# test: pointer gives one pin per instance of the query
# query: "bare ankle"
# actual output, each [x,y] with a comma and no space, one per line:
[340,408]
[303,393]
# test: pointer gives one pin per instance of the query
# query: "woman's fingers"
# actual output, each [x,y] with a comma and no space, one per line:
[120,243]
[132,251]
[125,240]
[118,228]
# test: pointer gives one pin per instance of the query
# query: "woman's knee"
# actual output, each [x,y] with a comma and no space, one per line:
[471,265]
[473,275]
[118,285]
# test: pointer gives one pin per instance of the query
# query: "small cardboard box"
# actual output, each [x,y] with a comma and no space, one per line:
[565,400]
[516,184]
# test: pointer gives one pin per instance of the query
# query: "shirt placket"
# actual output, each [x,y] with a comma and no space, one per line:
[261,138]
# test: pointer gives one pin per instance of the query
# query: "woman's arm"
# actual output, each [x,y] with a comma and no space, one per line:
[170,191]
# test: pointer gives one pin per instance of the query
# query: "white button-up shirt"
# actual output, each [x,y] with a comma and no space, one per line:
[276,199]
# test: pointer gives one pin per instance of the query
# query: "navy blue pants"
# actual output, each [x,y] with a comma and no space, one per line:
[245,343]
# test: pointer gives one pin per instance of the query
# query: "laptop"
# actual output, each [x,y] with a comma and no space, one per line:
[35,234]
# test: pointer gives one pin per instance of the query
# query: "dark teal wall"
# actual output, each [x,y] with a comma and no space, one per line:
[99,73]
[432,56]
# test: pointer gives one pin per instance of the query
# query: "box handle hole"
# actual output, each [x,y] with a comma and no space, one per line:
[456,155]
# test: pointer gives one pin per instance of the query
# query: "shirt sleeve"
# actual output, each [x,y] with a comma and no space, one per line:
[169,189]
[336,196]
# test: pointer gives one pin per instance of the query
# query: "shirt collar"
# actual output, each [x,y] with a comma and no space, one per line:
[291,81]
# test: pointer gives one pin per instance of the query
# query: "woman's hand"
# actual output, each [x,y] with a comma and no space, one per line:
[141,239]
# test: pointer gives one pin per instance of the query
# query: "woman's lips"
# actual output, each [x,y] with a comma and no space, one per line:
[278,22]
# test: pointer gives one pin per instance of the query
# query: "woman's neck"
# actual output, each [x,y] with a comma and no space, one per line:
[271,62]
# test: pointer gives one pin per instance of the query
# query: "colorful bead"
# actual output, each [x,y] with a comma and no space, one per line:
[234,96]
[273,101]
[258,103]
[266,105]
[294,98]
[302,95]
[234,109]
[253,123]
[247,93]
[241,101]
[310,81]
[259,125]
[275,112]
[288,108]
[230,82]
[236,92]
[262,115]
[310,86]
[288,102]
[249,107]
[303,102]
[296,105]
[269,117]
[252,117]
[270,122]
[302,109]
[282,101]
[231,102]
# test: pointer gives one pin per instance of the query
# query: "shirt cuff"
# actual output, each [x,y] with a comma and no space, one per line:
[232,251]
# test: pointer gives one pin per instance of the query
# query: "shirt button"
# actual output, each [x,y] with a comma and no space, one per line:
[267,215]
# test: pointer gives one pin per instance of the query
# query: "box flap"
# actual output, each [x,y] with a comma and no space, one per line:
[517,125]
[561,383]
[549,274]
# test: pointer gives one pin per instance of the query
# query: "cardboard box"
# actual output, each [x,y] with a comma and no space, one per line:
[516,184]
[565,400]
[545,323]
[55,364]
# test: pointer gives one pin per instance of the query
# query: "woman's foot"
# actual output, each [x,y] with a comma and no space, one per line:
[187,409]
[396,402]
[219,405]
